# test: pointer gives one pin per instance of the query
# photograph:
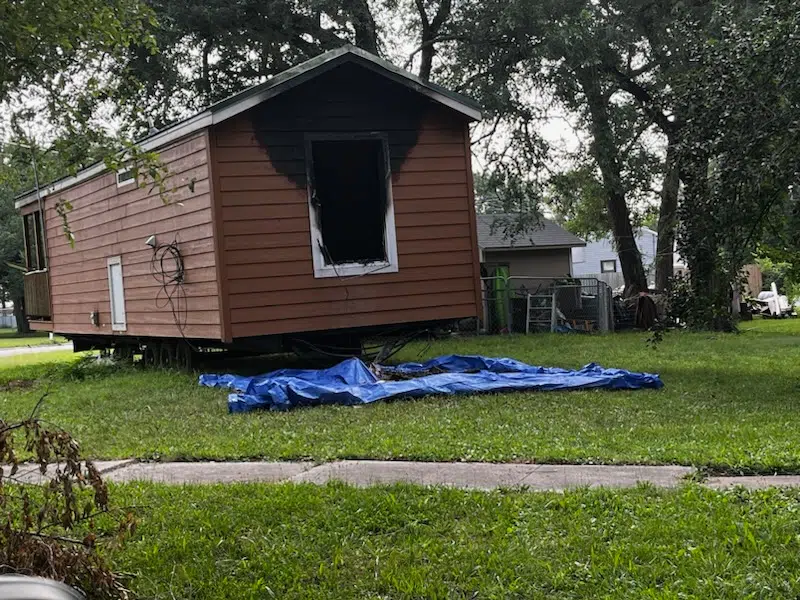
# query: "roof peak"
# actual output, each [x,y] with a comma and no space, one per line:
[286,80]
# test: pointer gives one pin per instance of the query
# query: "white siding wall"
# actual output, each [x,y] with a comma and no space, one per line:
[596,252]
[7,319]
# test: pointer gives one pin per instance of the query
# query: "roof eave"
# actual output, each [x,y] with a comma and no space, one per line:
[537,247]
[295,76]
[457,102]
[228,108]
[162,138]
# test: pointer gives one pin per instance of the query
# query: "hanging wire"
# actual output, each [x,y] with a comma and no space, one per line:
[378,353]
[166,266]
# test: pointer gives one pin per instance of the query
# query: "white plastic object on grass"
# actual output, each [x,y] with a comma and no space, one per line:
[21,587]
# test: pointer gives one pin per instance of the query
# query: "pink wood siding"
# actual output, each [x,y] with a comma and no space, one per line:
[109,221]
[268,271]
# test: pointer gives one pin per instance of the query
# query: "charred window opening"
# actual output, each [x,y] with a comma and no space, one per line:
[349,198]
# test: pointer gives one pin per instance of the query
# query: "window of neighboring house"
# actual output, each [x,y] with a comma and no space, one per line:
[608,266]
[352,216]
[125,177]
[35,258]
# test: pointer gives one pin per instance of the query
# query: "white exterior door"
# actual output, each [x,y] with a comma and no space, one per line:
[116,292]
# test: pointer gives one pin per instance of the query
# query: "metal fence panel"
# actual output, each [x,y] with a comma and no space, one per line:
[538,304]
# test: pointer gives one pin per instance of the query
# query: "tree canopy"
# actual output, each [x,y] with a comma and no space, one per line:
[210,49]
[740,151]
[42,40]
[686,109]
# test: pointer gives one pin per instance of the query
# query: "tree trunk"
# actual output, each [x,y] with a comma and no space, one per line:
[667,219]
[710,302]
[430,32]
[426,59]
[205,75]
[605,152]
[19,315]
[364,26]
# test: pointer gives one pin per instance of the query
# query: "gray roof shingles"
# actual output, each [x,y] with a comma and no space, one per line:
[546,235]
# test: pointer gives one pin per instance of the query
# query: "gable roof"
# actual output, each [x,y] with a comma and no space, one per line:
[548,234]
[252,96]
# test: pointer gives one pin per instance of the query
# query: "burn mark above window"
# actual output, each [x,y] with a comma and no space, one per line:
[348,98]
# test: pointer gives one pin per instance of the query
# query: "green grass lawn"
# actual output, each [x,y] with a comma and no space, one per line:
[10,338]
[731,402]
[298,542]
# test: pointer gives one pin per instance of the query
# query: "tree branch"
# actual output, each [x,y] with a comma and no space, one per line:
[641,70]
[57,538]
[430,42]
[39,404]
[441,16]
[490,133]
[644,98]
[430,31]
[639,133]
[422,15]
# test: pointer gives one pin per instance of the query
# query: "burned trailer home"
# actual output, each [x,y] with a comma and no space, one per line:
[331,204]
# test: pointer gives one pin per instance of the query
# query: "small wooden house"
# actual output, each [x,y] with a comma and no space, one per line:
[336,198]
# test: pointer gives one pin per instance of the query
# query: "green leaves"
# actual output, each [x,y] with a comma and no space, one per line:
[63,207]
[211,49]
[739,148]
[579,199]
[42,38]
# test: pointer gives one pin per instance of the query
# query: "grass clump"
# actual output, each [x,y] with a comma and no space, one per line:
[404,542]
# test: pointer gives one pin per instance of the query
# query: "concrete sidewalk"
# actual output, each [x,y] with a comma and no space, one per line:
[16,350]
[364,473]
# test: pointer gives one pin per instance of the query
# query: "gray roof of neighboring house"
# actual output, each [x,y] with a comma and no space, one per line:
[233,105]
[493,233]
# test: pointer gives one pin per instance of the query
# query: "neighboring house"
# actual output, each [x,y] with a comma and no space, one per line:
[334,199]
[600,259]
[7,319]
[541,251]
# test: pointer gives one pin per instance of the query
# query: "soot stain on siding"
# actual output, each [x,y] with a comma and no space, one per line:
[348,99]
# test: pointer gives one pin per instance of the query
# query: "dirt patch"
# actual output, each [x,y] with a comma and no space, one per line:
[17,384]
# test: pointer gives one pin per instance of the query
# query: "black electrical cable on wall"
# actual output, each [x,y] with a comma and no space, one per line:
[166,266]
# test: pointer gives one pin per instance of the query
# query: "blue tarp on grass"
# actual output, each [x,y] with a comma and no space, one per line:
[352,382]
